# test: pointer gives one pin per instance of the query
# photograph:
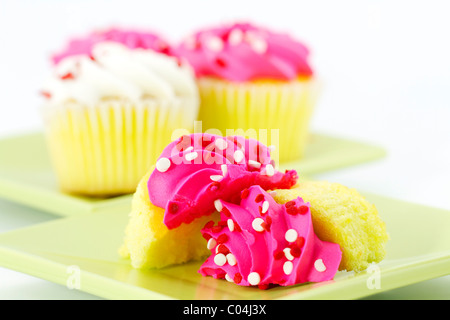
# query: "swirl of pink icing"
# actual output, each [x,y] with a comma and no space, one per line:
[198,169]
[244,52]
[260,242]
[130,38]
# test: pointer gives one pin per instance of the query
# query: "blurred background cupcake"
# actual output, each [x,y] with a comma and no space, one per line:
[252,78]
[112,102]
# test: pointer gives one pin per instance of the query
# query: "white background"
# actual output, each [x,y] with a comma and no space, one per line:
[385,65]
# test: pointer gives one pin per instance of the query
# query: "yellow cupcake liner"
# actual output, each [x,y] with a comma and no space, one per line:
[274,112]
[105,149]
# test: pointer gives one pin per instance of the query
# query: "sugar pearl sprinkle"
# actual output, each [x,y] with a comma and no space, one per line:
[215,44]
[235,37]
[163,164]
[291,235]
[265,206]
[287,254]
[270,170]
[254,278]
[216,177]
[254,164]
[211,243]
[224,169]
[218,205]
[191,156]
[257,225]
[238,156]
[231,259]
[228,278]
[319,265]
[221,144]
[220,259]
[288,266]
[230,224]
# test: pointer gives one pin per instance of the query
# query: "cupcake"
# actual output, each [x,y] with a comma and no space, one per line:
[113,101]
[256,81]
[221,200]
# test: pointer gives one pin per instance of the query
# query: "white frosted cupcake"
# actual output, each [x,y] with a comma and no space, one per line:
[110,110]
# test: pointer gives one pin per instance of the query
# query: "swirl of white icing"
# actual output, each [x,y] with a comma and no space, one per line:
[115,71]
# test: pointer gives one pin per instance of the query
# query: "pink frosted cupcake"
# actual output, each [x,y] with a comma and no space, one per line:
[252,78]
[113,101]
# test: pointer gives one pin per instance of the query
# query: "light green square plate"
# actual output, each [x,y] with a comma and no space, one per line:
[26,174]
[86,246]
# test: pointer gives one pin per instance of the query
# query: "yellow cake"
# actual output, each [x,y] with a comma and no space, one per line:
[341,215]
[149,243]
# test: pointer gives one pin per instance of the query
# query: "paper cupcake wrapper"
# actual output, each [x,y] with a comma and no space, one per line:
[277,112]
[106,149]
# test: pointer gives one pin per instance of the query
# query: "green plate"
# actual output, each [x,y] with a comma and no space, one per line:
[81,252]
[26,174]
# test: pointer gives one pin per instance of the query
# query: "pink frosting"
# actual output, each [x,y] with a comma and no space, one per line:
[261,242]
[244,52]
[130,38]
[196,170]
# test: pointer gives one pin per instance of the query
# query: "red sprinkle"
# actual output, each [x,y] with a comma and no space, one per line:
[221,63]
[292,210]
[237,278]
[223,249]
[222,238]
[46,94]
[300,242]
[173,207]
[226,212]
[206,236]
[244,193]
[289,204]
[259,197]
[266,226]
[222,223]
[278,255]
[67,76]
[183,143]
[209,225]
[237,227]
[264,286]
[303,209]
[296,251]
[217,228]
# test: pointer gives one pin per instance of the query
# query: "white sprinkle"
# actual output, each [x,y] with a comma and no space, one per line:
[230,224]
[291,235]
[224,169]
[218,205]
[216,177]
[228,278]
[238,156]
[254,164]
[259,45]
[254,278]
[211,243]
[235,37]
[221,144]
[273,193]
[265,206]
[215,44]
[288,266]
[256,225]
[163,164]
[217,248]
[231,259]
[189,149]
[270,170]
[319,265]
[220,259]
[191,156]
[287,254]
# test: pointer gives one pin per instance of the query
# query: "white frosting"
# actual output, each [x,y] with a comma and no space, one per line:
[120,72]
